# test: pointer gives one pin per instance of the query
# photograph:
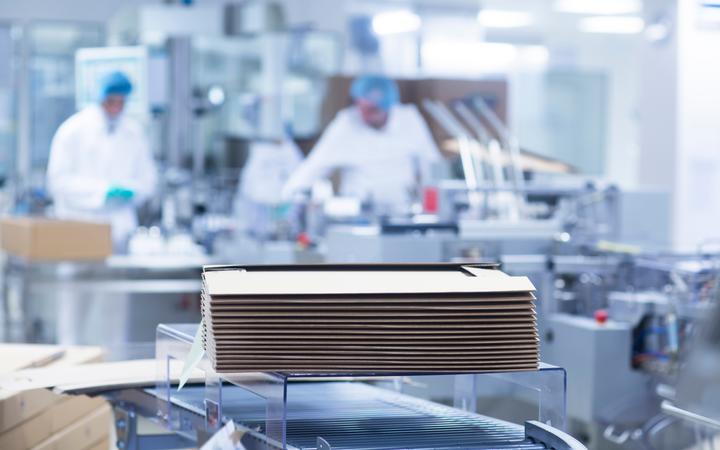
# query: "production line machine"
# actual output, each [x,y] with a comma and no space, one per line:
[621,320]
[624,327]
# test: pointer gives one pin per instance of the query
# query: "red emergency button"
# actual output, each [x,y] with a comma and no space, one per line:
[303,240]
[601,316]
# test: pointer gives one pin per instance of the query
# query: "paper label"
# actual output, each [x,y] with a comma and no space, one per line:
[193,358]
[227,438]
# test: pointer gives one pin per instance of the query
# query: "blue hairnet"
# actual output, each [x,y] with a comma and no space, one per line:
[115,83]
[380,90]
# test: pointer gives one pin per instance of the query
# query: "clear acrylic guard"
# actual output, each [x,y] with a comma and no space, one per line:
[543,391]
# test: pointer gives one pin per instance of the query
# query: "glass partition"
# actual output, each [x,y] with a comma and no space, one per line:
[280,407]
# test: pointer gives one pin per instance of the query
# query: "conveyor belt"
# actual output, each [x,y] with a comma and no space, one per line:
[350,415]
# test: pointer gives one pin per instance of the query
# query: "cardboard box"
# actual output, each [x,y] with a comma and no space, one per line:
[102,444]
[55,418]
[17,407]
[42,239]
[91,378]
[83,433]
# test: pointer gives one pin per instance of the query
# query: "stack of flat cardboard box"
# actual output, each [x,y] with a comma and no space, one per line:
[39,419]
[368,318]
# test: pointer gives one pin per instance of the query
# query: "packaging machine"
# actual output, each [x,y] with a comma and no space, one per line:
[624,327]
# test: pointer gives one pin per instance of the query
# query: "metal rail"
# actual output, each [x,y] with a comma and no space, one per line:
[466,145]
[689,416]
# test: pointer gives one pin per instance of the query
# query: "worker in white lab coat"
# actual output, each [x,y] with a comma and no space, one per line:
[101,168]
[379,146]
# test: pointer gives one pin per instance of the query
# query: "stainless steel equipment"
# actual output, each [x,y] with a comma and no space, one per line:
[116,303]
[623,328]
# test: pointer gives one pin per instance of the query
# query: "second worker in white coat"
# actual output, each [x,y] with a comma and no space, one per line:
[378,145]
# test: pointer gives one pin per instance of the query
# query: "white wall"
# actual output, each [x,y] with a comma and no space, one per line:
[697,202]
[615,56]
[658,113]
[534,112]
[680,122]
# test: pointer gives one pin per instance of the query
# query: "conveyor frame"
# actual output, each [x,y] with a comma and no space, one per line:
[277,393]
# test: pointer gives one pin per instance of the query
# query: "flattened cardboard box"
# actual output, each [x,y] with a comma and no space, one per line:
[24,356]
[291,318]
[361,300]
[363,368]
[322,347]
[367,279]
[93,378]
[42,239]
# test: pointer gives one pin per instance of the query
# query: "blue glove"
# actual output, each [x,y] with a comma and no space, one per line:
[119,195]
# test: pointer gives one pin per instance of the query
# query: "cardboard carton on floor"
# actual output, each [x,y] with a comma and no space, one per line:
[53,420]
[83,433]
[102,444]
[18,406]
[43,239]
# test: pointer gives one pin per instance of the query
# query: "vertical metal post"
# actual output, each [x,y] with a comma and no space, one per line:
[24,156]
[179,139]
[473,178]
[512,146]
[273,114]
[198,160]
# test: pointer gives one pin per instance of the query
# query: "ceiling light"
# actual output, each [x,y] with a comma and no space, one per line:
[537,55]
[659,30]
[611,25]
[598,7]
[442,56]
[216,95]
[393,22]
[490,18]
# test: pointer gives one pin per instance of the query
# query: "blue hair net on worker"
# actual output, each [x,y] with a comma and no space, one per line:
[115,83]
[380,90]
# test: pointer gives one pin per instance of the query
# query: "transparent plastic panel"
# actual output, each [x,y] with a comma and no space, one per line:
[546,388]
[270,390]
[172,344]
[512,396]
[294,410]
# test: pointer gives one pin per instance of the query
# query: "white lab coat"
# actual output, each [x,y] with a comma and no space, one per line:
[266,171]
[268,168]
[86,159]
[376,164]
